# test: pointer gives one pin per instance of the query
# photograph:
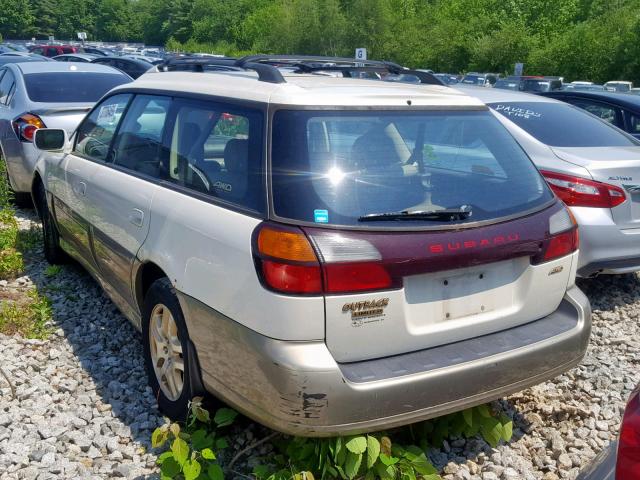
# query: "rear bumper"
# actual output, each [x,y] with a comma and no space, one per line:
[21,158]
[298,388]
[604,247]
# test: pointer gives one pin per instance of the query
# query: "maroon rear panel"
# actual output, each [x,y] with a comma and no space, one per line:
[415,252]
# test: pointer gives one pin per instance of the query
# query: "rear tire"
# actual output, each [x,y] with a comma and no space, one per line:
[50,236]
[170,359]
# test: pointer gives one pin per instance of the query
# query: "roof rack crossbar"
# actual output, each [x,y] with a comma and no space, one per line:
[266,66]
[266,72]
[305,63]
[305,59]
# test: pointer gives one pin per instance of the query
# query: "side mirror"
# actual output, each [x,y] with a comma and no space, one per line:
[50,139]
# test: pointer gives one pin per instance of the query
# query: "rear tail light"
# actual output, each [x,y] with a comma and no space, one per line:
[582,192]
[288,263]
[563,237]
[26,125]
[628,463]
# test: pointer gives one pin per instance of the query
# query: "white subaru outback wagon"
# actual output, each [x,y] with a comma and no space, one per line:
[327,255]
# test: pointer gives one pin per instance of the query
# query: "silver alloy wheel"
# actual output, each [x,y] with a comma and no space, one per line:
[166,352]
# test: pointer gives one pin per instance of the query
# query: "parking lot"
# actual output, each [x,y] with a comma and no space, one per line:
[418,263]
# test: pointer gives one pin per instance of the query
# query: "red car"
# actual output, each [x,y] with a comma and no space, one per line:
[52,50]
[621,459]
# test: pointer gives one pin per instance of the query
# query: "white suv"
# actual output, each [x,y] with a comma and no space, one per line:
[327,255]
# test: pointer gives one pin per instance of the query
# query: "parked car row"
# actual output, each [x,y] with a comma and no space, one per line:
[331,247]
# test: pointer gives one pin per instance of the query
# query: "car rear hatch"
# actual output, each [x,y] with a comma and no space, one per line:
[66,116]
[618,166]
[419,229]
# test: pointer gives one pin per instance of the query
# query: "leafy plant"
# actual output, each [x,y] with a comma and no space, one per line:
[52,271]
[192,450]
[192,454]
[375,456]
[468,423]
[362,456]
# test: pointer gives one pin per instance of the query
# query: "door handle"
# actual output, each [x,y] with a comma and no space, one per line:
[136,216]
[80,188]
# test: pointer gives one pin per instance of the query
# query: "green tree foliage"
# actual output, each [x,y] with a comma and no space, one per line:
[595,40]
[16,18]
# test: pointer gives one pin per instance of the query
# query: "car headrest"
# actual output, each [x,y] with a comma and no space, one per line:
[236,156]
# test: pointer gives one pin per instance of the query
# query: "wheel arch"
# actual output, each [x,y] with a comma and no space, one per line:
[36,184]
[147,273]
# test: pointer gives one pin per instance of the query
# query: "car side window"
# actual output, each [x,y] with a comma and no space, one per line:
[138,145]
[38,50]
[217,150]
[52,52]
[634,123]
[6,87]
[97,130]
[606,112]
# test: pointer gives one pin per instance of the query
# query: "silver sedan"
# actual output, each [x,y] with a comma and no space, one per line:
[44,94]
[591,165]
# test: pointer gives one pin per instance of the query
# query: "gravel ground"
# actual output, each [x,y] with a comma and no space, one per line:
[83,408]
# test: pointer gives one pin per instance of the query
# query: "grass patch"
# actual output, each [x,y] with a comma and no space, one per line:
[22,312]
[11,264]
[27,315]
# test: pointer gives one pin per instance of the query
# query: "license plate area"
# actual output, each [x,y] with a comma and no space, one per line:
[466,294]
[440,297]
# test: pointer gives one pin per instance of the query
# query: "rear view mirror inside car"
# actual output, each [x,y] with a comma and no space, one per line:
[50,139]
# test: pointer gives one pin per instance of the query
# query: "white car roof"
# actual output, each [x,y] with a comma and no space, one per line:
[492,95]
[306,89]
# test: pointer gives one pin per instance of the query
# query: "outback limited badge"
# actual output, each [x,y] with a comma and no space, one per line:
[367,311]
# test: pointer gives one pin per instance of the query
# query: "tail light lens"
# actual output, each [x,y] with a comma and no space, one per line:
[563,237]
[628,463]
[582,192]
[287,262]
[26,125]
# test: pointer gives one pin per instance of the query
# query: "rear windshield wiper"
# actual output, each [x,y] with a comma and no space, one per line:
[446,214]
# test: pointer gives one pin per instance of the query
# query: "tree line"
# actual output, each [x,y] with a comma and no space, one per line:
[595,40]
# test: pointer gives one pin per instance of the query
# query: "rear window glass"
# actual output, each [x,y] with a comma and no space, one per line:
[335,167]
[59,87]
[473,80]
[562,125]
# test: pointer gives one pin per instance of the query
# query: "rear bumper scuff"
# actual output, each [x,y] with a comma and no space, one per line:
[298,388]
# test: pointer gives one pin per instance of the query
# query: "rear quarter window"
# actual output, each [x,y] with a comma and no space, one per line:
[562,125]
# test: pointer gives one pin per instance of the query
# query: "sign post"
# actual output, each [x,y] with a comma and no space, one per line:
[361,53]
[519,69]
[82,36]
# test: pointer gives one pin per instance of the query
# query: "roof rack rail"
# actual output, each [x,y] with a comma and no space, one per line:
[266,72]
[314,63]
